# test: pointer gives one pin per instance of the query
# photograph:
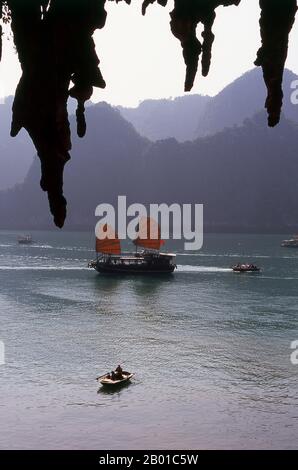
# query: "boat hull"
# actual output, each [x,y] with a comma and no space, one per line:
[105,382]
[289,245]
[133,269]
[146,263]
[246,270]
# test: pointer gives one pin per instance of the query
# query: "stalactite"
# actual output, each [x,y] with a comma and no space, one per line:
[1,6]
[277,19]
[146,3]
[57,53]
[55,47]
[184,21]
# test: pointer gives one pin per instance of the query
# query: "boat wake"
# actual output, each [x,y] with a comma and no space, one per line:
[63,248]
[41,246]
[225,255]
[44,268]
[180,268]
[201,269]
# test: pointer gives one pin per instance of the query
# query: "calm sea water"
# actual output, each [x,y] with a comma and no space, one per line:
[210,348]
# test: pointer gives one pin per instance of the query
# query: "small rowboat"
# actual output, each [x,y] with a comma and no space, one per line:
[107,381]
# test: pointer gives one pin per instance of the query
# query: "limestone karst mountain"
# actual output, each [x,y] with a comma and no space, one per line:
[188,117]
[245,176]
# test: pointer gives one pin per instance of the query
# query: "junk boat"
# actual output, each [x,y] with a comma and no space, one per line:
[25,239]
[246,268]
[109,259]
[292,243]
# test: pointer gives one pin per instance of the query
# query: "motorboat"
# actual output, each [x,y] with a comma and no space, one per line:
[291,243]
[25,240]
[246,268]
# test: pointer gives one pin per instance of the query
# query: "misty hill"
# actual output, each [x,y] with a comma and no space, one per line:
[193,116]
[184,118]
[16,154]
[162,119]
[245,176]
[242,99]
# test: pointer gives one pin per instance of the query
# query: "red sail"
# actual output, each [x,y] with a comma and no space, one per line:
[107,242]
[149,234]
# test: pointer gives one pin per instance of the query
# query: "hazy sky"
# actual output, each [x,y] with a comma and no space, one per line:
[141,59]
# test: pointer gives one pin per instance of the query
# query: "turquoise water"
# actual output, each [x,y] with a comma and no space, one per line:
[210,348]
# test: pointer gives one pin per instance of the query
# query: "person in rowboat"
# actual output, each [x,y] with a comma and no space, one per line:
[113,376]
[119,372]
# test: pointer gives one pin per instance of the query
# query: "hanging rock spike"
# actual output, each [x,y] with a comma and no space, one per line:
[276,22]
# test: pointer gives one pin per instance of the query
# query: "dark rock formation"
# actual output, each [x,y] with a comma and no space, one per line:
[277,19]
[55,47]
[184,20]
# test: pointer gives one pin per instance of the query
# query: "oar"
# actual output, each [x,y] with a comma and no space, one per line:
[101,376]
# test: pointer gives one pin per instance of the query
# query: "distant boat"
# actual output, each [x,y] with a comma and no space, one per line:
[148,261]
[106,380]
[246,268]
[25,239]
[292,243]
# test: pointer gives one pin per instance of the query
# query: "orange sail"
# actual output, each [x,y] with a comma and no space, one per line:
[107,241]
[149,234]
